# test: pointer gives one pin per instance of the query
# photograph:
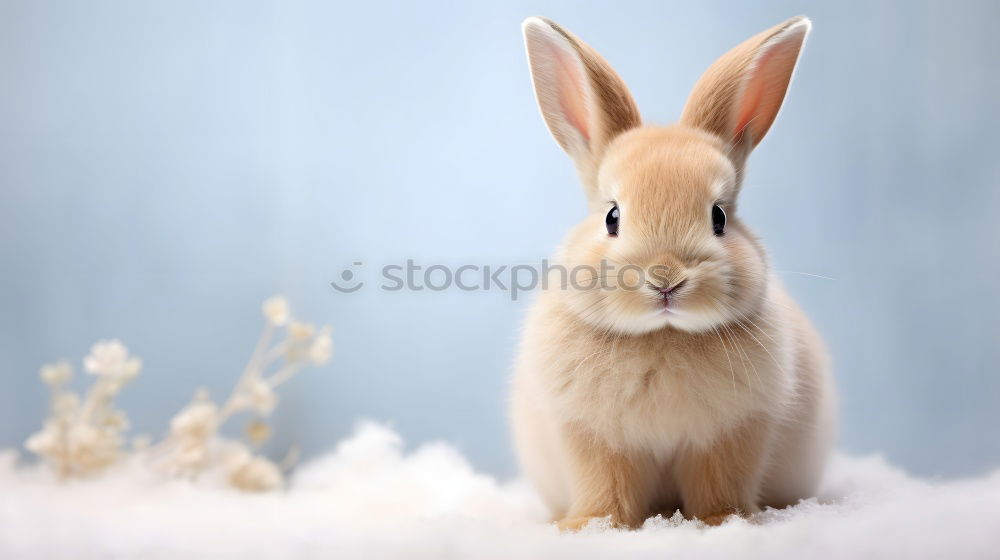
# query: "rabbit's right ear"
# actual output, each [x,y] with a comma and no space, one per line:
[584,102]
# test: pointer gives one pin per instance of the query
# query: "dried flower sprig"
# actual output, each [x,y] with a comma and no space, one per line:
[193,445]
[84,437]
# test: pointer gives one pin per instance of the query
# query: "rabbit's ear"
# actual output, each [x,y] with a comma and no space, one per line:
[584,102]
[739,96]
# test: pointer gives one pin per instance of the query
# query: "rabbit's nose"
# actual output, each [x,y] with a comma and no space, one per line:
[671,290]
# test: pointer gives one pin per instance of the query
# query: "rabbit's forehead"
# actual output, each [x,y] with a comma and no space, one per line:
[669,168]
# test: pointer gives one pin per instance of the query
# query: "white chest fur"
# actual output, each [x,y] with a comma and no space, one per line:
[657,391]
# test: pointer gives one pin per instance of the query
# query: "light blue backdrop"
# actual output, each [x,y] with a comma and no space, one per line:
[165,166]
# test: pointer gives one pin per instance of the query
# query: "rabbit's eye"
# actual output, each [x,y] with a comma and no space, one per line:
[611,221]
[718,220]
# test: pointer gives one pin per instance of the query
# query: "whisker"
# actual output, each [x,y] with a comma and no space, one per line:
[759,343]
[762,331]
[749,359]
[806,274]
[726,352]
[736,349]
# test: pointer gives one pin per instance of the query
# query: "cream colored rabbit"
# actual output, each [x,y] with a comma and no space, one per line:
[664,367]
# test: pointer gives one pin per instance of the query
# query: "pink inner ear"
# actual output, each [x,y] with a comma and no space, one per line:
[570,86]
[751,100]
[765,89]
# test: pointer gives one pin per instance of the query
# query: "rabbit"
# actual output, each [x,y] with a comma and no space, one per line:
[665,368]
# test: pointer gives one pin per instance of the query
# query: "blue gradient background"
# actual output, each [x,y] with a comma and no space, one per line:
[165,166]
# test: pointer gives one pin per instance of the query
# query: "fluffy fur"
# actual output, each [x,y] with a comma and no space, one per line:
[715,400]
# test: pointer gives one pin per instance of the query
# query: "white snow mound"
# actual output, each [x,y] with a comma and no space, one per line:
[368,499]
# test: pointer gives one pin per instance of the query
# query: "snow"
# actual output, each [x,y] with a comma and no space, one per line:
[369,499]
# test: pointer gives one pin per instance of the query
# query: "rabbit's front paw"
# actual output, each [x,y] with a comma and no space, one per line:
[574,524]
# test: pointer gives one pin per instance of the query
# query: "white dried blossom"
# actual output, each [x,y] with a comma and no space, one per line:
[76,448]
[191,431]
[276,311]
[301,331]
[321,349]
[297,346]
[252,473]
[110,358]
[83,436]
[254,394]
[48,442]
[197,420]
[262,397]
[92,448]
[258,432]
[56,374]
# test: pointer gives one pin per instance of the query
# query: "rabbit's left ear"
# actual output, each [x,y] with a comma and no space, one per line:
[740,95]
[583,101]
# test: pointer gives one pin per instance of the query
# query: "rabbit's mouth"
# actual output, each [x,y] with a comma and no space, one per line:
[666,305]
[667,297]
